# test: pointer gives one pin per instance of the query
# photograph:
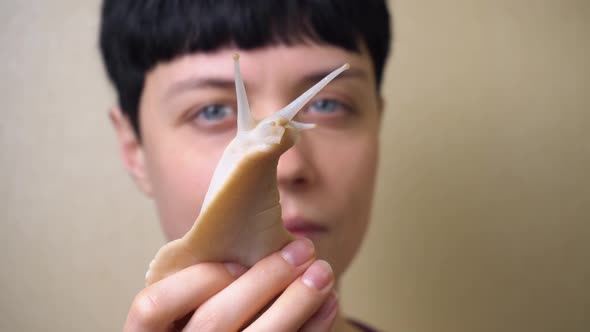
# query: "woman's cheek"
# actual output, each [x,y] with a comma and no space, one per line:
[182,184]
[357,177]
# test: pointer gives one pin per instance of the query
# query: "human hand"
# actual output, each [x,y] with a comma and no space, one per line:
[286,291]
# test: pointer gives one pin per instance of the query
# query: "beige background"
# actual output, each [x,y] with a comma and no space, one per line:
[482,213]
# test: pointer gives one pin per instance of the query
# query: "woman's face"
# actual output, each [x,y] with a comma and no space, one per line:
[188,116]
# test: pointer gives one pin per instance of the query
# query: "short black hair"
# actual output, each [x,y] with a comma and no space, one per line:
[136,35]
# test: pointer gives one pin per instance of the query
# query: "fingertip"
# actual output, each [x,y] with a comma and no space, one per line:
[298,252]
[319,275]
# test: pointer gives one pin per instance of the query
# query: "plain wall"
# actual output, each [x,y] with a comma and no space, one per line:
[481,219]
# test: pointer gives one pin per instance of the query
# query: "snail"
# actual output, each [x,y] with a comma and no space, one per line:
[240,219]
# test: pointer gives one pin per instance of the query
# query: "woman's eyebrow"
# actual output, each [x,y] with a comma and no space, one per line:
[198,83]
[193,83]
[347,74]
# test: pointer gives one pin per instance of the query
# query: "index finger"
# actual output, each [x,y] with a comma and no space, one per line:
[158,306]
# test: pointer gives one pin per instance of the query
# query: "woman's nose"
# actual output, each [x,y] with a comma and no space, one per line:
[295,171]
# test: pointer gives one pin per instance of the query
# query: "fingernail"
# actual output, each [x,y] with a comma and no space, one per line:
[318,276]
[298,252]
[235,269]
[329,307]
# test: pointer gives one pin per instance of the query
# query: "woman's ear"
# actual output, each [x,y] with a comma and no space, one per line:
[131,151]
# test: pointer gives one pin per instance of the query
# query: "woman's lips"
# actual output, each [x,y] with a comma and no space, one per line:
[301,227]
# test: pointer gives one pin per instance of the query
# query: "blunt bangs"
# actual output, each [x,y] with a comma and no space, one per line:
[136,35]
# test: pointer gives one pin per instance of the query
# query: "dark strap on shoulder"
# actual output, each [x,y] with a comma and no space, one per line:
[361,326]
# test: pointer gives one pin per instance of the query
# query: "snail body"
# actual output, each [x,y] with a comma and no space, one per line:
[240,220]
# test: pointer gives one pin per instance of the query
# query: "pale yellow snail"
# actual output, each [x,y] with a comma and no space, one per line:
[240,220]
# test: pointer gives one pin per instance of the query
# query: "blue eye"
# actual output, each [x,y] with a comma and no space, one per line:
[326,106]
[215,112]
[330,112]
[215,117]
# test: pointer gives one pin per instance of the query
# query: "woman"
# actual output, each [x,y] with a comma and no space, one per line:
[170,62]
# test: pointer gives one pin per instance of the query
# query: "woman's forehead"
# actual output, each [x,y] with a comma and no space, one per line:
[276,63]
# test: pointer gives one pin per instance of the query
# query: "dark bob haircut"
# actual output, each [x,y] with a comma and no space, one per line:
[136,35]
